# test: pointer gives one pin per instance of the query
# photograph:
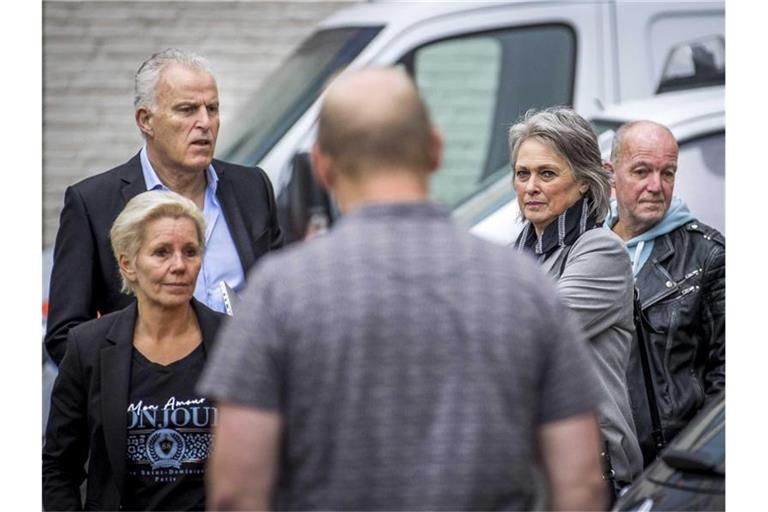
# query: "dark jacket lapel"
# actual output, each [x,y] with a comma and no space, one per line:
[226,195]
[209,322]
[132,178]
[656,281]
[115,381]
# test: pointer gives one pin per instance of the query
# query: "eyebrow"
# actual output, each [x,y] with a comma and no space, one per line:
[195,102]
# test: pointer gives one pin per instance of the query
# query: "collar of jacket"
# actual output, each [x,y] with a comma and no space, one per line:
[641,246]
[654,281]
[115,359]
[563,231]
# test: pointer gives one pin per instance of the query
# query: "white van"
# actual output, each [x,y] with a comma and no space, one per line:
[479,66]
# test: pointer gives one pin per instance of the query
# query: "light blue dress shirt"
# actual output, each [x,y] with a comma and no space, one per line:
[221,263]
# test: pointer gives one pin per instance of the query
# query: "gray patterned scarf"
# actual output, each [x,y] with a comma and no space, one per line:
[564,231]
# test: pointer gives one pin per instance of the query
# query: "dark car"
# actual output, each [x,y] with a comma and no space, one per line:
[690,473]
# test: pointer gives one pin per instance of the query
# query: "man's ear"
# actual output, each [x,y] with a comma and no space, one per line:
[127,268]
[321,167]
[435,150]
[608,166]
[143,118]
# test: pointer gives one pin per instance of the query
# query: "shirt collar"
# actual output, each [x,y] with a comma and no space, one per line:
[154,183]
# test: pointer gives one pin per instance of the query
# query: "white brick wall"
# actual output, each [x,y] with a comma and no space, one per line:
[92,49]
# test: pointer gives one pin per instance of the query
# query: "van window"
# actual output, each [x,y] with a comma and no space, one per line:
[288,92]
[693,64]
[476,87]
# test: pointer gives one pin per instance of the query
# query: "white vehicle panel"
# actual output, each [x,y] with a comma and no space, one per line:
[502,226]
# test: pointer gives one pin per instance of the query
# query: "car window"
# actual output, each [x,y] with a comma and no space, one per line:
[287,93]
[476,86]
[699,63]
[700,178]
[461,100]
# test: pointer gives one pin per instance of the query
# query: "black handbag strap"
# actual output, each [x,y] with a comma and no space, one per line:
[642,343]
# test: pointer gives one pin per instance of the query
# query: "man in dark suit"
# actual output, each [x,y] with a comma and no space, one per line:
[177,111]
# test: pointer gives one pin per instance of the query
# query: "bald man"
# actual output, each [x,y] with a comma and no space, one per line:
[397,362]
[679,268]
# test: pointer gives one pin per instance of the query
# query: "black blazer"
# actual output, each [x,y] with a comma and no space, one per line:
[88,411]
[85,278]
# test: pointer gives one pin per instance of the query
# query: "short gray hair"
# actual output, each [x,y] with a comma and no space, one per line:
[572,137]
[148,74]
[127,233]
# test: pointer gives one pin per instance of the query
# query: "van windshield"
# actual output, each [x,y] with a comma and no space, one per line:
[289,91]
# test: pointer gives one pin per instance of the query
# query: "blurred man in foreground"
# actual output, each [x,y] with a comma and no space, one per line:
[398,362]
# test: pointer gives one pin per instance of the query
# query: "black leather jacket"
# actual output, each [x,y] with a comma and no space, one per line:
[682,297]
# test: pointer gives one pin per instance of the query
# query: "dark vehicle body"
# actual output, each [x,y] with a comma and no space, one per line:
[690,472]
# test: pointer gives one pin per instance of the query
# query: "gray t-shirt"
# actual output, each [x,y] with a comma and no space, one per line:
[411,363]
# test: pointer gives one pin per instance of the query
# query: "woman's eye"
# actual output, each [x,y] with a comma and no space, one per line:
[548,174]
[160,252]
[521,175]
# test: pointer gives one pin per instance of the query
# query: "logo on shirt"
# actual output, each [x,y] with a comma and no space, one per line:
[165,449]
[165,441]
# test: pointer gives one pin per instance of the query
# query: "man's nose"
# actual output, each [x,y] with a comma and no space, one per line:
[654,182]
[203,118]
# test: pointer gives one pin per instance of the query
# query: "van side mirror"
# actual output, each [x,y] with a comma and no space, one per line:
[304,208]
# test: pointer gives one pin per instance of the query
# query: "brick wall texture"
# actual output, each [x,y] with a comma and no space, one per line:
[91,51]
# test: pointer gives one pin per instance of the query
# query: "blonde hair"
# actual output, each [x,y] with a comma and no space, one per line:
[127,233]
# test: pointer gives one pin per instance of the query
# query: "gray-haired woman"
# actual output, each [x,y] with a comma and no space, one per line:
[563,192]
[124,399]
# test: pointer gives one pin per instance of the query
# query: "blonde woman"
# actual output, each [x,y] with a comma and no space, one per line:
[124,399]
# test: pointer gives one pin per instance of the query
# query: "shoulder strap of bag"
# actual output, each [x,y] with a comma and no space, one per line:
[642,342]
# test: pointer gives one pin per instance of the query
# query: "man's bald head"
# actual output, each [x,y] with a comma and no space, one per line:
[374,120]
[643,129]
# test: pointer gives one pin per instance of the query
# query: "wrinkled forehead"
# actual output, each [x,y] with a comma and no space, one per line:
[544,146]
[541,146]
[177,75]
[165,225]
[649,143]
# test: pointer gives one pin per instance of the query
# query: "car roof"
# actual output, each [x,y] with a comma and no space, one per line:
[689,114]
[404,14]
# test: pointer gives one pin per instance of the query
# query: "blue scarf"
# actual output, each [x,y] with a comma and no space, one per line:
[640,247]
